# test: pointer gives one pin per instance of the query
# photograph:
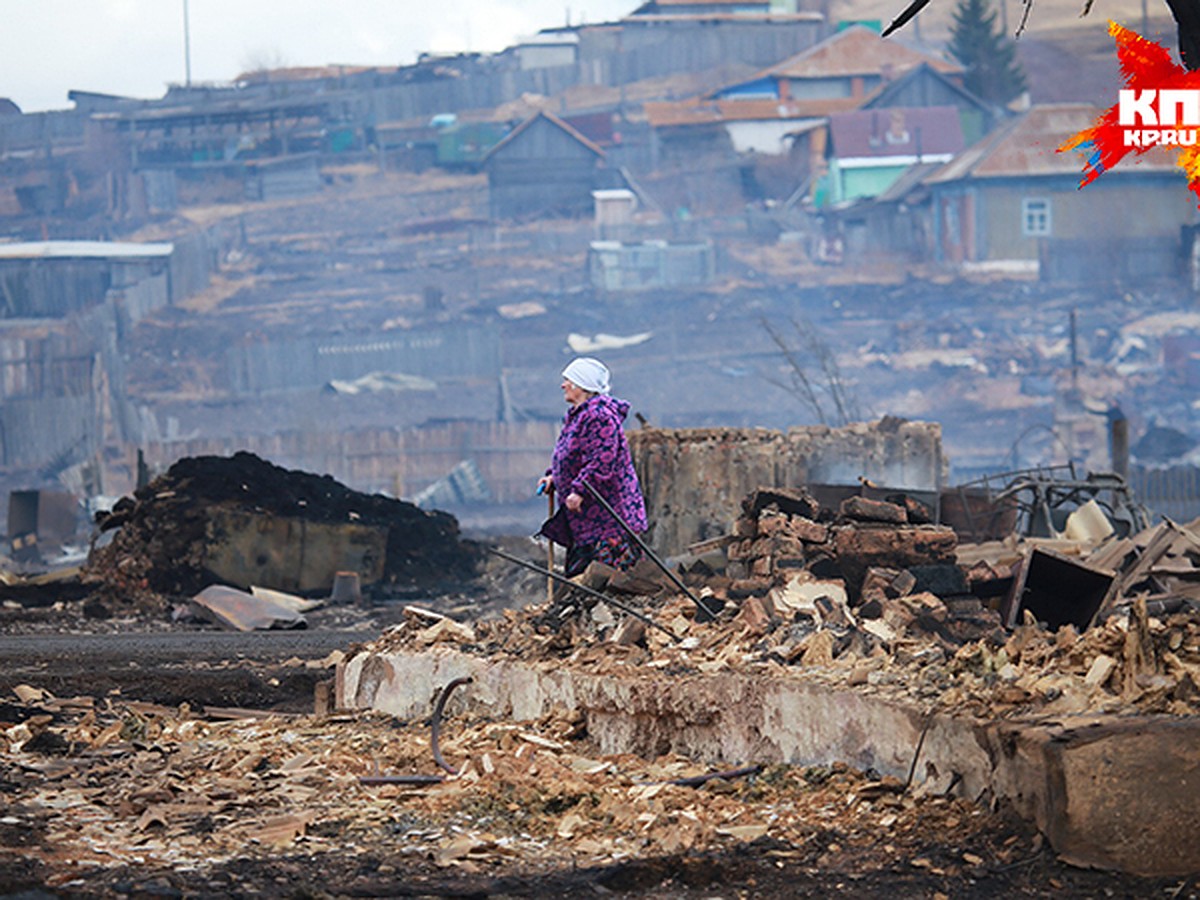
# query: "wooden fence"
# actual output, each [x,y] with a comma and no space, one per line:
[397,462]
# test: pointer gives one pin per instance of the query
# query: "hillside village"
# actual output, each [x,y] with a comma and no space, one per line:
[281,263]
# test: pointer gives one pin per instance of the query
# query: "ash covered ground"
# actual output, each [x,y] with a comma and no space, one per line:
[147,755]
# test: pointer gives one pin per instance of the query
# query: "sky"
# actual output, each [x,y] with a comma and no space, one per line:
[136,48]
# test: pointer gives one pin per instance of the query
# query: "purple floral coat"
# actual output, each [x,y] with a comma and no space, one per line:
[592,448]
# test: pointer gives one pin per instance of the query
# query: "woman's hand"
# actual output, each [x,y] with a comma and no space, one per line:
[573,502]
[545,484]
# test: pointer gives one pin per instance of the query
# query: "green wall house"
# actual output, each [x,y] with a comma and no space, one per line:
[870,149]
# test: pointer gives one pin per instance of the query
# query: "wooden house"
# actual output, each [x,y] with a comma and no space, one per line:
[1013,202]
[926,86]
[852,64]
[780,117]
[543,167]
[870,149]
[764,113]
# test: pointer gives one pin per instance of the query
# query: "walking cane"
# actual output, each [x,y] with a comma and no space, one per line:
[550,547]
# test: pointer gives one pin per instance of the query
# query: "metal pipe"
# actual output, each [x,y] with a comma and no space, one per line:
[633,534]
[698,780]
[400,779]
[585,589]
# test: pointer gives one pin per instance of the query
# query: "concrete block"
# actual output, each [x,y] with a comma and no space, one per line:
[1107,793]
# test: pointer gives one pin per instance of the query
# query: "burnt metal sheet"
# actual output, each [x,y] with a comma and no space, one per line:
[240,611]
[1057,590]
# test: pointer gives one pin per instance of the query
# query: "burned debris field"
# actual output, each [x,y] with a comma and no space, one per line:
[913,415]
[404,746]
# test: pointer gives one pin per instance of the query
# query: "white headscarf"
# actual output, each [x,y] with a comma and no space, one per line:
[589,374]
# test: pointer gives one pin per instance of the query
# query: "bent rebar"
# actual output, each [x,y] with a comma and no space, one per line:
[435,724]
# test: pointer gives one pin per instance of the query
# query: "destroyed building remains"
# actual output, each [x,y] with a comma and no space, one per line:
[244,521]
[917,432]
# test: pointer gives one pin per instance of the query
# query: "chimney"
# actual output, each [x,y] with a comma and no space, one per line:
[1118,441]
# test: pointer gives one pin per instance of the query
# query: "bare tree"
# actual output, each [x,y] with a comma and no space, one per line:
[257,64]
[814,377]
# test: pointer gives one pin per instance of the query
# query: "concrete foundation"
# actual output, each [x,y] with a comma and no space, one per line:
[1112,793]
[694,479]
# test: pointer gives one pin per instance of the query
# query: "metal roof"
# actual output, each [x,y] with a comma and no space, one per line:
[888,90]
[915,131]
[1028,145]
[84,250]
[857,50]
[702,112]
[553,120]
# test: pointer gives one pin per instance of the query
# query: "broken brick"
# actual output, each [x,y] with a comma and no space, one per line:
[857,549]
[807,530]
[764,546]
[755,615]
[739,550]
[877,584]
[786,500]
[745,528]
[864,510]
[771,523]
[749,587]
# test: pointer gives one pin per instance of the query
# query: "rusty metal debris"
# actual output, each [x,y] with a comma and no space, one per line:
[584,589]
[1038,502]
[706,610]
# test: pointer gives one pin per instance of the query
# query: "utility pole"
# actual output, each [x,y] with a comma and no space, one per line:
[187,46]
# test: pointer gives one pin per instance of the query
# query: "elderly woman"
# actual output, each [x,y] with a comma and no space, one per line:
[592,450]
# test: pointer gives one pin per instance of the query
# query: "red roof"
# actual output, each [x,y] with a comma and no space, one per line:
[857,50]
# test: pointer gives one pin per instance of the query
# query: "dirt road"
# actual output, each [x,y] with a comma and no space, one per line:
[199,668]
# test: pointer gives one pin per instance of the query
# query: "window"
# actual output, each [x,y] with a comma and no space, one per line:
[1035,217]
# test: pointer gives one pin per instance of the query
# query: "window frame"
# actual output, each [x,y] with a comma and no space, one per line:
[1036,217]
